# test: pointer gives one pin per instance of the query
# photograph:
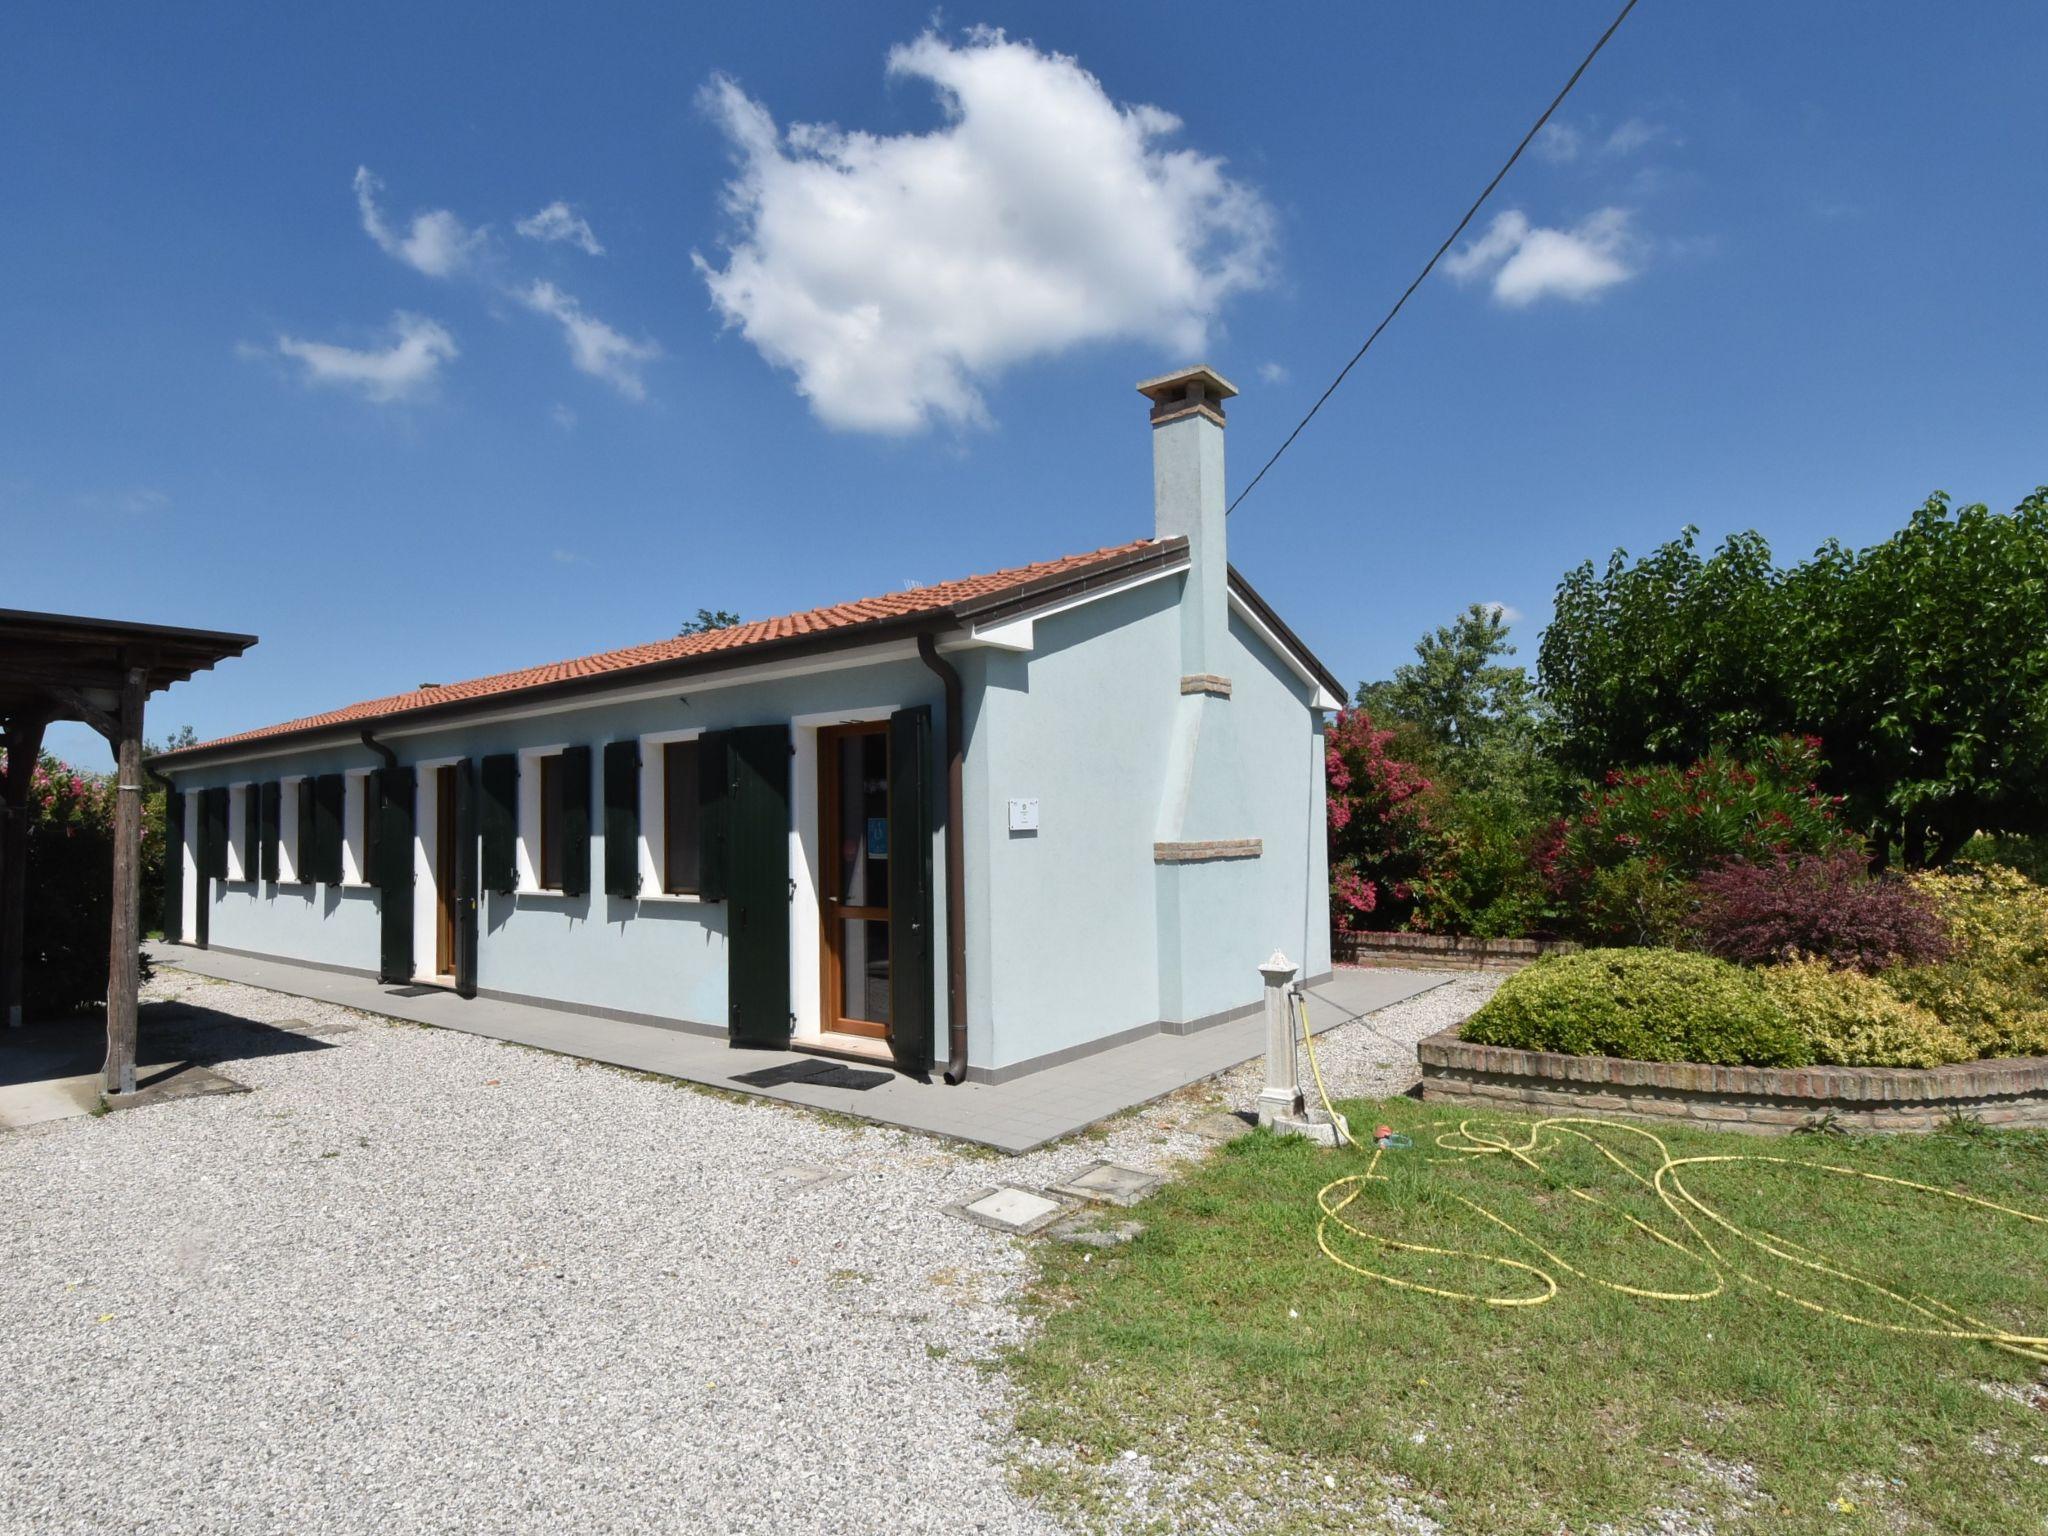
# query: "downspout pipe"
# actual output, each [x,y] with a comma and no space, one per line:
[390,758]
[956,865]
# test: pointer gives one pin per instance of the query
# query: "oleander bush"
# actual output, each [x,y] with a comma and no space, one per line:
[1822,906]
[1993,988]
[1647,1004]
[70,871]
[1851,1019]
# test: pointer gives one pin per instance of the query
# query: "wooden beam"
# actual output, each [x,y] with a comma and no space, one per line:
[82,708]
[24,744]
[123,970]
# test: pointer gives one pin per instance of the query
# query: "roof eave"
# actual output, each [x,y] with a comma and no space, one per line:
[934,621]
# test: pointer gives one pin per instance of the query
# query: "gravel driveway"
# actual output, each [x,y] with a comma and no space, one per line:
[420,1281]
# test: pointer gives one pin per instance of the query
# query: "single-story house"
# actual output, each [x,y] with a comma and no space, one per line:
[995,823]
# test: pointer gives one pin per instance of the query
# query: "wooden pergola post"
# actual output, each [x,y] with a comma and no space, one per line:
[124,980]
[58,666]
[24,746]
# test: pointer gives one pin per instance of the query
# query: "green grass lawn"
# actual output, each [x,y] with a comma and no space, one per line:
[1223,1332]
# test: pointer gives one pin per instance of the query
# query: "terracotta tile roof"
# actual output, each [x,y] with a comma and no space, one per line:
[944,596]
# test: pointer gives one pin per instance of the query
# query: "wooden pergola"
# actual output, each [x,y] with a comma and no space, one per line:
[55,666]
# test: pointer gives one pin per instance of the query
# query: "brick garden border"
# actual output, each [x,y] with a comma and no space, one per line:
[1765,1100]
[1441,951]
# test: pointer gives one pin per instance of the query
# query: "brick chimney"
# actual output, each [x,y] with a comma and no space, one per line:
[1187,501]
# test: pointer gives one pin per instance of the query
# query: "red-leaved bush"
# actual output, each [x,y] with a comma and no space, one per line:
[1827,906]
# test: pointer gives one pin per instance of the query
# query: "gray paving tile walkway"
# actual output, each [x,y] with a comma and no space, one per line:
[1014,1116]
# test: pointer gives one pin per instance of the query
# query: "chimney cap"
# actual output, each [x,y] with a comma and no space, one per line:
[1174,387]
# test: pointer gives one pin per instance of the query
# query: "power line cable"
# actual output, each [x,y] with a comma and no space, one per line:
[1430,266]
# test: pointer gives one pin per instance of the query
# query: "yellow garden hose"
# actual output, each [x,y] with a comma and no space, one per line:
[1538,1284]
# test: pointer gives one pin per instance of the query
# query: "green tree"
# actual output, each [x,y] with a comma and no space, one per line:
[1921,663]
[709,619]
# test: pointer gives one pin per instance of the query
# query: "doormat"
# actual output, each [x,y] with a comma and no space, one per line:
[413,991]
[820,1074]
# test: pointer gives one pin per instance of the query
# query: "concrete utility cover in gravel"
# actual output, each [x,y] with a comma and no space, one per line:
[1111,1182]
[801,1175]
[1013,1210]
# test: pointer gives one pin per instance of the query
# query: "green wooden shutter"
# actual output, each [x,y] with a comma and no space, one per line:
[174,866]
[757,882]
[395,787]
[574,777]
[910,888]
[213,852]
[267,803]
[326,795]
[498,822]
[714,824]
[622,818]
[465,878]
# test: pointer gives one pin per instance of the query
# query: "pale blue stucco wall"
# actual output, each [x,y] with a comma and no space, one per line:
[661,958]
[1074,932]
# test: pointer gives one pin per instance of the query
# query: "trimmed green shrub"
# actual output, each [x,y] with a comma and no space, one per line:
[1853,1020]
[1647,1004]
[1994,985]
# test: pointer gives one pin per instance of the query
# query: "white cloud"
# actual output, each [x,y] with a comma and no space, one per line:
[897,275]
[1559,143]
[594,347]
[1507,613]
[568,557]
[1632,135]
[563,417]
[555,223]
[398,372]
[1272,373]
[436,244]
[1527,262]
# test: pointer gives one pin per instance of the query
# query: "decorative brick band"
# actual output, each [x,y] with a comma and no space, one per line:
[1202,853]
[1206,682]
[1442,951]
[1760,1099]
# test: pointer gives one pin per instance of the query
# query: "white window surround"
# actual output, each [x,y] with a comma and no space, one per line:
[426,843]
[288,792]
[526,851]
[241,807]
[654,815]
[191,886]
[355,821]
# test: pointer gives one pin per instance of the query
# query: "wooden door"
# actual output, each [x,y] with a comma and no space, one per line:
[853,917]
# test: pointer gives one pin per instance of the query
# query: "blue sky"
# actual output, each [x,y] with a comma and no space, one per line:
[1780,269]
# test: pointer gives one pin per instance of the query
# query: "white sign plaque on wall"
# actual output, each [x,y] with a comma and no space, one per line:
[1023,815]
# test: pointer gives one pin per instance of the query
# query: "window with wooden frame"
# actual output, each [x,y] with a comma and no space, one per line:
[679,842]
[291,858]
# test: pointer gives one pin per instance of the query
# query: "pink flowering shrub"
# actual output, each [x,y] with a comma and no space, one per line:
[1623,864]
[1820,906]
[1383,841]
[70,862]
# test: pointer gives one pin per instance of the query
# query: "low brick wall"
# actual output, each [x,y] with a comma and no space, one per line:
[1441,952]
[1761,1099]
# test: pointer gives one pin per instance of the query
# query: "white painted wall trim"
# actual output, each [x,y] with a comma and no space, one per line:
[288,791]
[427,873]
[1017,634]
[355,814]
[188,905]
[240,809]
[1323,698]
